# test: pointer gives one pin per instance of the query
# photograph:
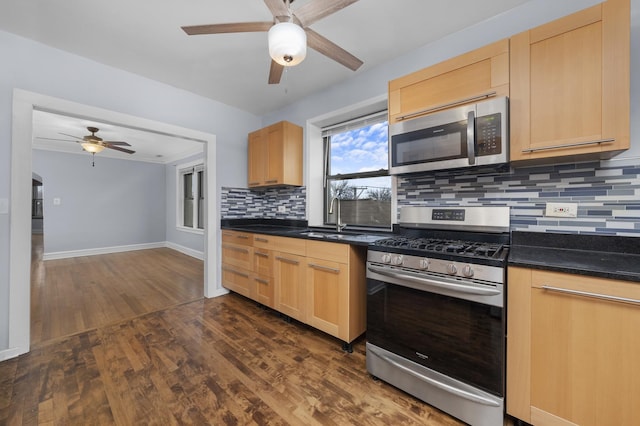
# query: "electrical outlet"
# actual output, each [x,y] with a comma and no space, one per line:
[282,209]
[562,210]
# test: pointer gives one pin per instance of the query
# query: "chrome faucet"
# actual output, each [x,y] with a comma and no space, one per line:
[339,224]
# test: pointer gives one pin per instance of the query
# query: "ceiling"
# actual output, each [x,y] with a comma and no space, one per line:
[144,37]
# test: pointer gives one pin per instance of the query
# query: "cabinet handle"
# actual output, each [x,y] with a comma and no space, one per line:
[569,145]
[447,105]
[271,181]
[284,259]
[236,272]
[592,295]
[243,237]
[262,240]
[241,250]
[324,268]
[254,183]
[257,253]
[261,281]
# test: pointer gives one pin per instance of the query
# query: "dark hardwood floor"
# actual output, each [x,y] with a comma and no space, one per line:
[107,350]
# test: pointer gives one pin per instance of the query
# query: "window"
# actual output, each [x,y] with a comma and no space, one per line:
[191,192]
[357,172]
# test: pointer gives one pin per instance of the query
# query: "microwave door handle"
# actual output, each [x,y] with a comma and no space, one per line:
[471,138]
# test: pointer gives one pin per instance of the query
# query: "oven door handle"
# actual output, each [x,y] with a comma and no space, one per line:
[444,386]
[462,288]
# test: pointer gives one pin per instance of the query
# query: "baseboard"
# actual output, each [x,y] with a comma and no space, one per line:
[118,249]
[185,250]
[10,353]
[101,250]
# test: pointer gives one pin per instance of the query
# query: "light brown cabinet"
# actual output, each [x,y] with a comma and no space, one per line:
[275,156]
[318,283]
[336,289]
[467,78]
[572,345]
[570,85]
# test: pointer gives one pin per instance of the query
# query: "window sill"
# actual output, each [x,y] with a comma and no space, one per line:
[190,230]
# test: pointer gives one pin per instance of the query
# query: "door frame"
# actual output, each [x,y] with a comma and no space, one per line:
[24,103]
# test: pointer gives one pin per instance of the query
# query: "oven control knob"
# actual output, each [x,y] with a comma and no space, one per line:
[397,260]
[451,269]
[424,263]
[386,258]
[467,271]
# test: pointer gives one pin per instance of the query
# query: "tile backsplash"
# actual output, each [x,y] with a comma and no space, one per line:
[607,194]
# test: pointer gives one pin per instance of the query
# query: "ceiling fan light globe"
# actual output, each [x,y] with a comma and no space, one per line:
[93,148]
[287,44]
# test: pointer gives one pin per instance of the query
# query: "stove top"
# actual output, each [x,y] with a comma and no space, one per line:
[435,245]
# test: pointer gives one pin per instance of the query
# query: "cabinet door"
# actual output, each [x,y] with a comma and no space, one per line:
[257,152]
[570,85]
[274,155]
[584,348]
[328,298]
[466,78]
[289,275]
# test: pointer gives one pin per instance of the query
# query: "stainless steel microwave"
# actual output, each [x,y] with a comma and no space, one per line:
[466,136]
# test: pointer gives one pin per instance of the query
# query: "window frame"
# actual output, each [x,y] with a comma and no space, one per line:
[198,189]
[327,132]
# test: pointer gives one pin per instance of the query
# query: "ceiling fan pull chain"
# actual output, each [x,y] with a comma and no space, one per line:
[93,159]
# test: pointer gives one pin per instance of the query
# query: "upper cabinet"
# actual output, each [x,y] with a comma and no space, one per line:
[467,78]
[570,85]
[275,156]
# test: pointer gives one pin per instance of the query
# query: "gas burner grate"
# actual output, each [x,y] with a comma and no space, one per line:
[467,248]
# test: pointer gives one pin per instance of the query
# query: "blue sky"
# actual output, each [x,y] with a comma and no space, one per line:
[360,150]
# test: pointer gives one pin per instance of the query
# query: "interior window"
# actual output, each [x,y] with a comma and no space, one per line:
[191,197]
[357,172]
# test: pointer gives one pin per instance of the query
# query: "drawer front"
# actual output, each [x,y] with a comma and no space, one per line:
[263,262]
[263,241]
[237,255]
[237,237]
[237,280]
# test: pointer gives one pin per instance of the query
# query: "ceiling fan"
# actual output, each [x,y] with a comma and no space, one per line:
[289,34]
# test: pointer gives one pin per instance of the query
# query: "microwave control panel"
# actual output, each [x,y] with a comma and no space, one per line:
[488,135]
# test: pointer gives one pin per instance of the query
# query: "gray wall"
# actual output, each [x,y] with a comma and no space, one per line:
[37,68]
[115,203]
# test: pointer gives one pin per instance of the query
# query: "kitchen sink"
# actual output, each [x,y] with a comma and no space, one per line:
[328,235]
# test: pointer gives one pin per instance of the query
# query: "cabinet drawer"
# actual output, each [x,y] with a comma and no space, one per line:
[237,279]
[579,285]
[263,290]
[236,237]
[237,255]
[263,262]
[335,252]
[263,241]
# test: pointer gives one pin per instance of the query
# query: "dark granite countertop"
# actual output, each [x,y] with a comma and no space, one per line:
[593,255]
[299,229]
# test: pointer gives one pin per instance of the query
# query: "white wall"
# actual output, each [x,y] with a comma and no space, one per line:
[40,69]
[116,203]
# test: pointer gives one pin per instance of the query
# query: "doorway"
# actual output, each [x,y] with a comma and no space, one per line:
[24,103]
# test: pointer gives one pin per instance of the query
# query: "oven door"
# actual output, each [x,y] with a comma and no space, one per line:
[457,337]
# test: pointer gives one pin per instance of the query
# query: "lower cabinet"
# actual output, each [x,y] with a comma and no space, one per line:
[322,284]
[572,345]
[290,289]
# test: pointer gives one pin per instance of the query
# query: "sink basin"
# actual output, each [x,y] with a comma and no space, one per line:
[327,235]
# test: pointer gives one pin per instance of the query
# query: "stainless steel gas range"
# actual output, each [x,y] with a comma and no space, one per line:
[435,309]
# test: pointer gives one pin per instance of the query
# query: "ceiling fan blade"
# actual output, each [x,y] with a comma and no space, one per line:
[275,73]
[71,136]
[117,148]
[238,27]
[318,9]
[116,143]
[277,7]
[332,50]
[55,139]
